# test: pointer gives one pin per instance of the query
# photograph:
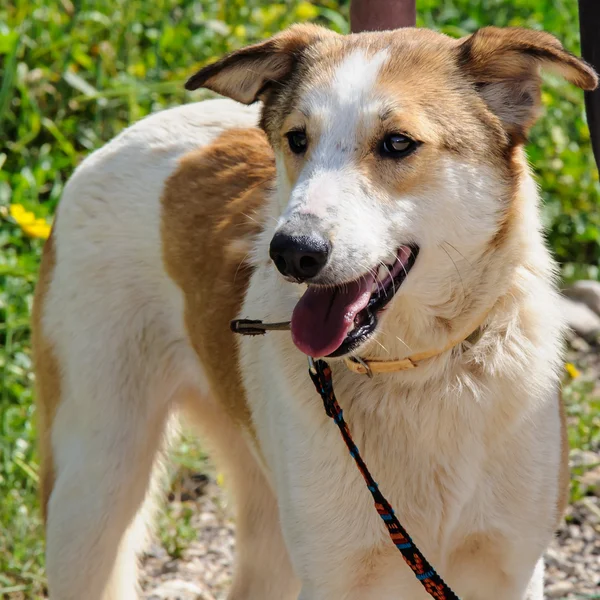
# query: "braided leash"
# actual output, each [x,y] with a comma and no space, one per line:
[320,373]
[435,586]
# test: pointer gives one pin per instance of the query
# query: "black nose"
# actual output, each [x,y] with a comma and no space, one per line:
[300,257]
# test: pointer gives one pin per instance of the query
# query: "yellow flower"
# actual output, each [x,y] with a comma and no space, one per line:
[220,479]
[137,70]
[306,11]
[239,31]
[29,223]
[40,229]
[20,215]
[572,370]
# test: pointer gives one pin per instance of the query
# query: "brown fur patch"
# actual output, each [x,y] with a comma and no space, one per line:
[515,170]
[499,53]
[211,211]
[444,324]
[47,370]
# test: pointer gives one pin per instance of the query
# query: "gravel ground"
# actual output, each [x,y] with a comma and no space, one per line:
[204,570]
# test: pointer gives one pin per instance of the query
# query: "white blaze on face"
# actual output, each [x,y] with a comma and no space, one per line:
[356,76]
[330,186]
[344,107]
[338,110]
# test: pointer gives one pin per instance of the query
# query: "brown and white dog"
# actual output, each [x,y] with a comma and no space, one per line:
[387,171]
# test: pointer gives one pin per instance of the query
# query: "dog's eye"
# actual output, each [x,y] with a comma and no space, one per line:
[397,145]
[297,141]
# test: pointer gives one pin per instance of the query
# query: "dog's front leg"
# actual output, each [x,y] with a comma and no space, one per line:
[512,573]
[378,589]
[535,591]
[339,547]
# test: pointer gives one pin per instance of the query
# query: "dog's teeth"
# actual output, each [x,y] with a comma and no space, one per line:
[382,272]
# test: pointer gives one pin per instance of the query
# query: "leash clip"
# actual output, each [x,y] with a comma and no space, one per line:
[368,371]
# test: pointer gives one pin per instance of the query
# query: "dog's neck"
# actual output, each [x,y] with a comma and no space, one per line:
[371,367]
[504,290]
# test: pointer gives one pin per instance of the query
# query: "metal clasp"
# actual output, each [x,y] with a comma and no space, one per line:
[364,365]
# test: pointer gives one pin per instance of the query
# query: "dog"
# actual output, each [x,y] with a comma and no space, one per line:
[374,192]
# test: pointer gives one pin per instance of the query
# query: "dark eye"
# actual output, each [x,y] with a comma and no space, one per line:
[297,141]
[397,145]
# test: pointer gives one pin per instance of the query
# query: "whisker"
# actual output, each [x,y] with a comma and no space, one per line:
[459,253]
[250,218]
[370,270]
[400,340]
[378,342]
[241,263]
[456,267]
[410,253]
[404,269]
[405,344]
[391,278]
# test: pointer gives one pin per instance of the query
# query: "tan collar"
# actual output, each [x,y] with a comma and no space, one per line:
[366,366]
[371,367]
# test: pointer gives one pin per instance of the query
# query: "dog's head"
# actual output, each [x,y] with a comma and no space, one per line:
[398,158]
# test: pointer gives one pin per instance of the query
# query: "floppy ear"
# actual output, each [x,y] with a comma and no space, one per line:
[505,64]
[245,74]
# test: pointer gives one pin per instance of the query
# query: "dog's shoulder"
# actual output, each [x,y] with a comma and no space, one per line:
[213,207]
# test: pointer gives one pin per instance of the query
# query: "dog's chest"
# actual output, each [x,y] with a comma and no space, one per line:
[425,450]
[416,450]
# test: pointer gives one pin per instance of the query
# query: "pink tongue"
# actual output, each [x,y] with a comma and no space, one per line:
[323,316]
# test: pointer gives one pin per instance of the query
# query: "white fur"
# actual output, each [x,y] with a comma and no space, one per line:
[109,289]
[329,186]
[467,446]
[459,455]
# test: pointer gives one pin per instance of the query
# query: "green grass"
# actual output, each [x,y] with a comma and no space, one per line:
[583,414]
[73,73]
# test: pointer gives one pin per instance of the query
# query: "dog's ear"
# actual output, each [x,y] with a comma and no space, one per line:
[245,74]
[505,64]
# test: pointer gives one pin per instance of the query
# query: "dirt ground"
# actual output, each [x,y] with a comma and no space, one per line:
[204,571]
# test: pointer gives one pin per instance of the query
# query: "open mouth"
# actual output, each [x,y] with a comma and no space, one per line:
[334,320]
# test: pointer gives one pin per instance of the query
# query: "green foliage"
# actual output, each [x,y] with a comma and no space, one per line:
[560,147]
[21,550]
[583,412]
[73,73]
[177,530]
